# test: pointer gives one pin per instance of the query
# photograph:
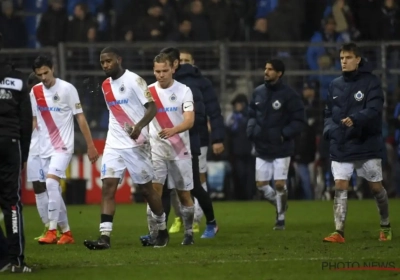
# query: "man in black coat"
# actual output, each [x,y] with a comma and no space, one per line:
[15,138]
[276,117]
[353,125]
[213,114]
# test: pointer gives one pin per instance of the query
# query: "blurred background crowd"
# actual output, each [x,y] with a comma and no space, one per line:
[230,41]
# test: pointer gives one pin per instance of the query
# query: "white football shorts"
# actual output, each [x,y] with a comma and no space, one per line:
[370,170]
[277,169]
[136,160]
[34,171]
[56,165]
[179,173]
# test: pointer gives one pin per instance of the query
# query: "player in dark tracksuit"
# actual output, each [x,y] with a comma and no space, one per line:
[353,125]
[15,136]
[213,113]
[191,77]
[276,117]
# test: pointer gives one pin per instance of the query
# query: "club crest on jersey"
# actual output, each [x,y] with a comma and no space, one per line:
[56,98]
[172,97]
[276,105]
[122,89]
[359,96]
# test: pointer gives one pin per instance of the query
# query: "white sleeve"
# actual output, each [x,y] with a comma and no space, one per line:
[33,103]
[74,102]
[187,102]
[142,91]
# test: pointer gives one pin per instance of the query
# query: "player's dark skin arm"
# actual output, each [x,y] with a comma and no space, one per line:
[147,118]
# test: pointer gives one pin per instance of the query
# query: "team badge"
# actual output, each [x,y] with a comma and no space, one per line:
[359,96]
[276,105]
[122,89]
[172,98]
[56,98]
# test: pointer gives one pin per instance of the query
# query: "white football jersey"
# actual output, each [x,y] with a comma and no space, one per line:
[34,147]
[55,108]
[125,98]
[171,103]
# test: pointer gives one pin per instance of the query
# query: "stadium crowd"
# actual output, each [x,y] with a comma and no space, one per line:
[87,21]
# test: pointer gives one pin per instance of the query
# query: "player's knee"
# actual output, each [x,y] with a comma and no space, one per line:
[39,187]
[341,184]
[260,184]
[185,198]
[280,185]
[109,188]
[376,187]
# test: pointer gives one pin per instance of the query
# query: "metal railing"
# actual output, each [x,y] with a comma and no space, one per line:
[233,67]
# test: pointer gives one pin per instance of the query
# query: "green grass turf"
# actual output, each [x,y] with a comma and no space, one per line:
[245,248]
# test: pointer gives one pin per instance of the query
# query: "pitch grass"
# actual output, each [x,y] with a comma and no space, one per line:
[245,248]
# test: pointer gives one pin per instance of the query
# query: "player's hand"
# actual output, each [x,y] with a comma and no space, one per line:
[133,131]
[167,133]
[218,148]
[347,122]
[93,154]
[23,166]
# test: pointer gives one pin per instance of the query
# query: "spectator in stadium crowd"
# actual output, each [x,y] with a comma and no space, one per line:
[12,27]
[344,19]
[222,20]
[183,33]
[92,6]
[326,35]
[306,142]
[201,29]
[325,63]
[153,26]
[169,11]
[83,29]
[243,162]
[53,25]
[79,26]
[365,18]
[387,28]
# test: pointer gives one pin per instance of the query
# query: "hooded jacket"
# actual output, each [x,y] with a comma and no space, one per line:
[15,107]
[358,95]
[190,76]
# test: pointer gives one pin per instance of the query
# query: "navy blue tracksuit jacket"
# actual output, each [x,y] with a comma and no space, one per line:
[357,95]
[276,117]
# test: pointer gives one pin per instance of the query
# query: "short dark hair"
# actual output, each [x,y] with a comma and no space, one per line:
[278,65]
[42,60]
[174,53]
[351,47]
[32,79]
[187,51]
[164,58]
[111,50]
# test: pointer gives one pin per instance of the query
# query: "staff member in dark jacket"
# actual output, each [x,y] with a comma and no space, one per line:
[213,113]
[191,77]
[276,117]
[15,137]
[353,124]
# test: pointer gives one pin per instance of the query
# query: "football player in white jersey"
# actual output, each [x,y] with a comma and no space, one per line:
[127,146]
[35,172]
[54,103]
[169,138]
